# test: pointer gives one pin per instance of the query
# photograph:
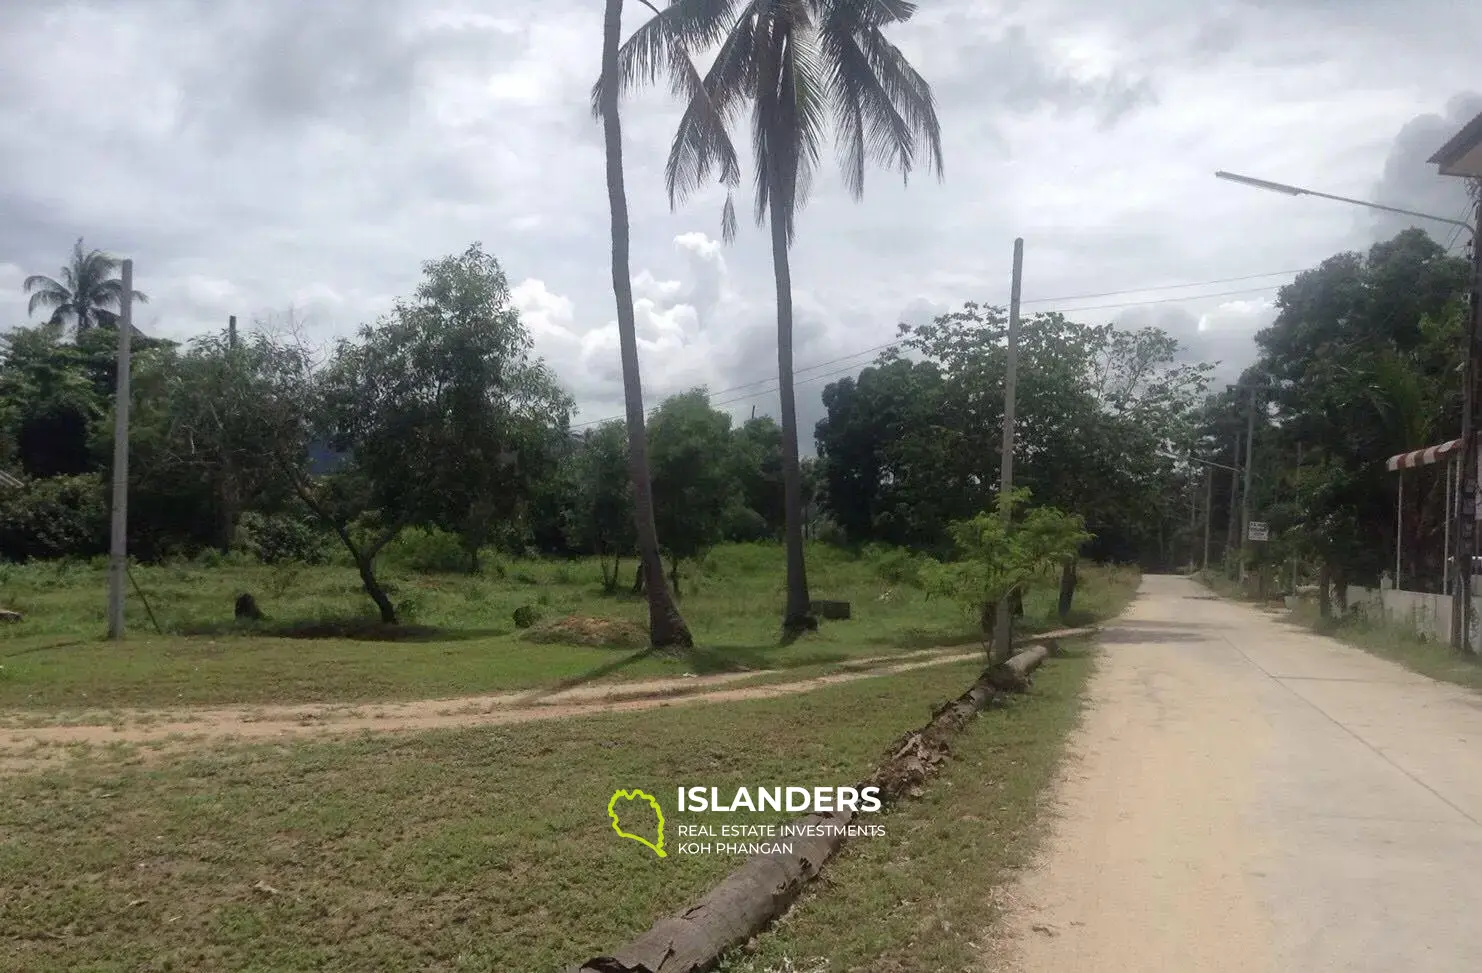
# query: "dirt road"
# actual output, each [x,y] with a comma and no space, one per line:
[1246,796]
[26,740]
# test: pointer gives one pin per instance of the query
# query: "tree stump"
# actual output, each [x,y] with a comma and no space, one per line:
[247,608]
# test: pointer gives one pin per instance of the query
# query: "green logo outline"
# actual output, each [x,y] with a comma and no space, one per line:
[635,795]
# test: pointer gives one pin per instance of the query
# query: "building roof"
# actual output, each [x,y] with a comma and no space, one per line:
[1462,155]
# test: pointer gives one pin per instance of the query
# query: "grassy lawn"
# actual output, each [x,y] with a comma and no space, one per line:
[485,849]
[461,638]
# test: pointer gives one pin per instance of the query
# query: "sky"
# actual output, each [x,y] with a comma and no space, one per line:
[256,156]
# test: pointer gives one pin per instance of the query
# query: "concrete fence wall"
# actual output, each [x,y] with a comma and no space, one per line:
[1425,613]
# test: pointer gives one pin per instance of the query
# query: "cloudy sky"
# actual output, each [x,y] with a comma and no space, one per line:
[257,155]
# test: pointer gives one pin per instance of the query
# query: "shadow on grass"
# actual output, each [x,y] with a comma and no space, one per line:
[45,648]
[357,629]
[712,659]
[593,675]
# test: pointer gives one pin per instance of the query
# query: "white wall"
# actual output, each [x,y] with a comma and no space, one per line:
[1428,614]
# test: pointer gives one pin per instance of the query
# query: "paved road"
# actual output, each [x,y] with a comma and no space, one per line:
[1246,796]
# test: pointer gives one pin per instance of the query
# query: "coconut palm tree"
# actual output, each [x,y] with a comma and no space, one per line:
[89,293]
[801,66]
[666,627]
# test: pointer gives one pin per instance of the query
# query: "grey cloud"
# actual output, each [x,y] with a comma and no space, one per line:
[1410,182]
[1230,349]
[1017,74]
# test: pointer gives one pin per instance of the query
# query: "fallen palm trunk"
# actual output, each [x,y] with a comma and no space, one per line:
[765,885]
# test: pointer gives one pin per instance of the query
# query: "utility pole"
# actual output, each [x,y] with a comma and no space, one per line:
[1231,509]
[1208,511]
[118,555]
[1004,622]
[1250,437]
[1466,505]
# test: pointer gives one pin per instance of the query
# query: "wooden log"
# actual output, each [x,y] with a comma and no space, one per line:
[1013,676]
[764,886]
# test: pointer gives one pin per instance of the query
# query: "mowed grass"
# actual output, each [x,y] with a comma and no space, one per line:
[460,638]
[489,848]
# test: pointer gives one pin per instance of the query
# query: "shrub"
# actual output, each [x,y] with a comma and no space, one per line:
[60,516]
[526,615]
[895,565]
[276,538]
[427,550]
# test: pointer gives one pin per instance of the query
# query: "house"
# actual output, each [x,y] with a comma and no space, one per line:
[1462,155]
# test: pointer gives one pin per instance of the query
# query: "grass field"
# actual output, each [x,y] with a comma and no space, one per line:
[460,638]
[490,849]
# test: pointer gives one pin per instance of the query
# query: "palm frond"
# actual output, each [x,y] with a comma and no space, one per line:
[702,142]
[728,222]
[908,93]
[681,27]
[790,118]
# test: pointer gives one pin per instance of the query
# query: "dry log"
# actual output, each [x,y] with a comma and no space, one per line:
[765,885]
[1013,676]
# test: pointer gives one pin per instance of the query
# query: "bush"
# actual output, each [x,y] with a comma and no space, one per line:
[895,565]
[526,615]
[427,550]
[60,516]
[277,538]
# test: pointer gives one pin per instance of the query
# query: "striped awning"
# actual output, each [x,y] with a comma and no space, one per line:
[1422,457]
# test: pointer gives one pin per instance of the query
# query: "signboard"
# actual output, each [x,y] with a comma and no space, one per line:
[1257,530]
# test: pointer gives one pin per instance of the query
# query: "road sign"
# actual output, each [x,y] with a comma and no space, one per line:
[1257,530]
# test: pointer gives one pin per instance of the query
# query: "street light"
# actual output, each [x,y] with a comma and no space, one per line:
[1285,190]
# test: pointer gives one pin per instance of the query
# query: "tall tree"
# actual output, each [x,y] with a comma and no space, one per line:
[798,64]
[694,478]
[666,627]
[89,292]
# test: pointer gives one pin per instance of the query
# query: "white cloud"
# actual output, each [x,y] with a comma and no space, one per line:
[280,154]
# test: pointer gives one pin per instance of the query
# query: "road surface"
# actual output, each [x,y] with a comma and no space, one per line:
[1244,795]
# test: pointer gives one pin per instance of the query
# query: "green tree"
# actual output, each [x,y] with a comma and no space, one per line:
[1361,362]
[666,627]
[446,417]
[694,482]
[800,65]
[89,292]
[760,510]
[601,514]
[1000,553]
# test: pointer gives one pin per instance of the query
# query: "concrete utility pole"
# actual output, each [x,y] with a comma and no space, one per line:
[1208,511]
[1003,624]
[1466,505]
[1250,438]
[1232,510]
[118,555]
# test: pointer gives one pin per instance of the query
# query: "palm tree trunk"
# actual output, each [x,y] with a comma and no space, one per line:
[666,627]
[797,616]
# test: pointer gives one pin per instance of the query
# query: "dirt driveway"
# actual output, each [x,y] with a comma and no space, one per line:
[24,740]
[1247,796]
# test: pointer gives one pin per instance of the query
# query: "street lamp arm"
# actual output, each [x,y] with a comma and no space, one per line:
[1284,189]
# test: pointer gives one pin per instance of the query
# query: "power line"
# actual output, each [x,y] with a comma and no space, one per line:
[773,386]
